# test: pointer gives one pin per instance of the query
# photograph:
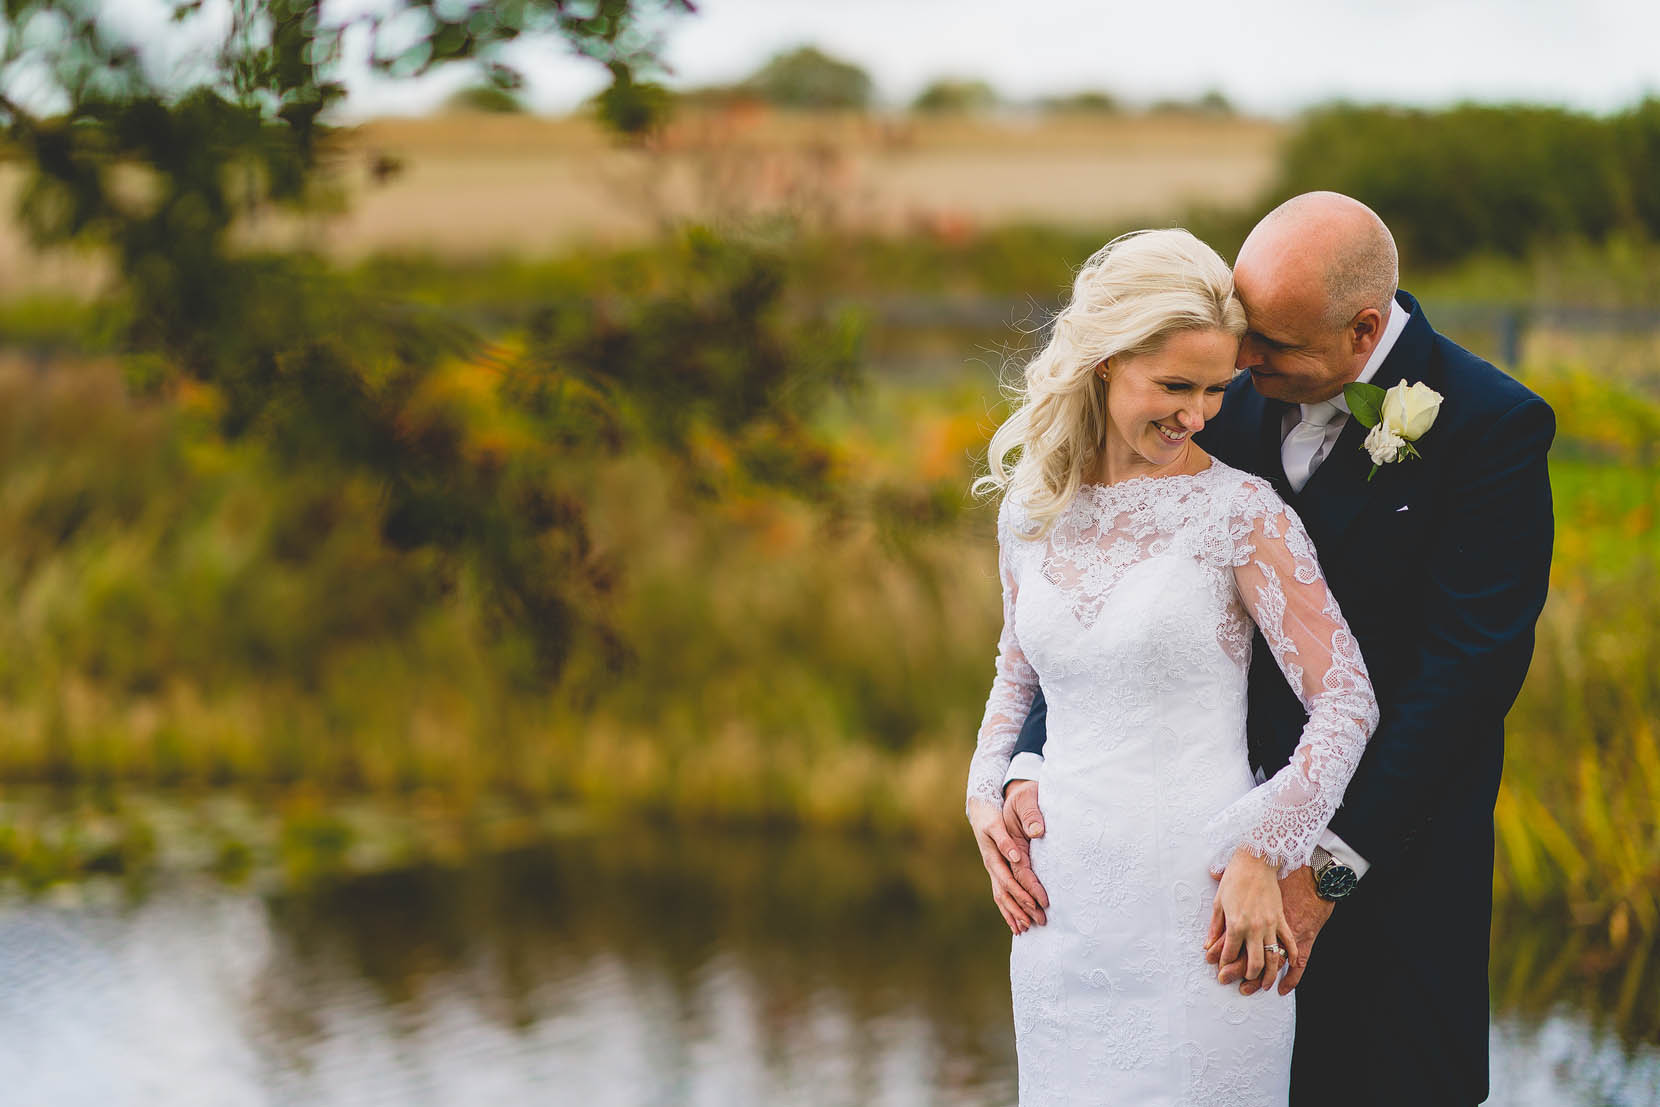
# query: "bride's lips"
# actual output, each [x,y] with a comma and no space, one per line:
[1171,436]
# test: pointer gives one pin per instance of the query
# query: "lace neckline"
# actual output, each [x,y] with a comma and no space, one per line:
[1117,489]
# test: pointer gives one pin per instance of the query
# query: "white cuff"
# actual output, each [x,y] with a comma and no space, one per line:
[1339,849]
[1023,766]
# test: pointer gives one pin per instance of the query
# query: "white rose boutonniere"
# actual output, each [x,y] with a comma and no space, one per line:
[1398,418]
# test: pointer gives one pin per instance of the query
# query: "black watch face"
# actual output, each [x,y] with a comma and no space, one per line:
[1336,881]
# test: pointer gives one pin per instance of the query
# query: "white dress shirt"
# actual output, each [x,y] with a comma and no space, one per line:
[1025,766]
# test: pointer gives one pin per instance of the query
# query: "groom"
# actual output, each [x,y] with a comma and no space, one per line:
[1440,564]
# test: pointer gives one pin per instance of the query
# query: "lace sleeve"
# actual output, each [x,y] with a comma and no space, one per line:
[1279,581]
[1012,689]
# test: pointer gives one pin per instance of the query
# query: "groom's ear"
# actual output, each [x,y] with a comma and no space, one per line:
[1365,329]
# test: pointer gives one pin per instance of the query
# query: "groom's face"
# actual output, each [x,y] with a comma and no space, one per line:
[1291,350]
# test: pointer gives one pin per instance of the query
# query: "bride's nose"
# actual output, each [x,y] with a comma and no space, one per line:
[1192,418]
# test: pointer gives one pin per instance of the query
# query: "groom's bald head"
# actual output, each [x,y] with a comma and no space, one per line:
[1317,277]
[1327,246]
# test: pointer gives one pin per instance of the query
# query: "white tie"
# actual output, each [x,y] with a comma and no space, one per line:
[1306,441]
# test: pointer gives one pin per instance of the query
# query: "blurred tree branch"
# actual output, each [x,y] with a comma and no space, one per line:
[78,96]
[156,165]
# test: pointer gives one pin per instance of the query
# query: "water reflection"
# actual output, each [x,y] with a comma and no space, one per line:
[640,969]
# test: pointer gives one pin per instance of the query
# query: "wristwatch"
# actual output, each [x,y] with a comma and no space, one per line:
[1332,879]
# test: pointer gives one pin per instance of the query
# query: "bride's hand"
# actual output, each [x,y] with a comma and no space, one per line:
[1008,862]
[1249,916]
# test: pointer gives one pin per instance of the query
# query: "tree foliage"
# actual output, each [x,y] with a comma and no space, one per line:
[218,140]
[1087,102]
[487,99]
[1483,178]
[1212,103]
[161,166]
[811,79]
[633,107]
[948,96]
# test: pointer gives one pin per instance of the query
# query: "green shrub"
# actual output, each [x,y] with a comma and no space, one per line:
[809,78]
[490,99]
[1088,102]
[1477,178]
[947,96]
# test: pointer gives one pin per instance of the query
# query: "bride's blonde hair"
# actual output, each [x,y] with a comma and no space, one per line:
[1129,298]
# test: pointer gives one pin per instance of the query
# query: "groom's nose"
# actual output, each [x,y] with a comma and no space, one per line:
[1250,354]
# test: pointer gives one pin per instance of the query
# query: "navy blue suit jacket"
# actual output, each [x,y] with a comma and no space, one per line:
[1440,566]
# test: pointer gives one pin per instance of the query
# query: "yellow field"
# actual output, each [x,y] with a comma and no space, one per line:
[472,184]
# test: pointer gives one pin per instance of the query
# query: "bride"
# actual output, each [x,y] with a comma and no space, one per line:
[1134,570]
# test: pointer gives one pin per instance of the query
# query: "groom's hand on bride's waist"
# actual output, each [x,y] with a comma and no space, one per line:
[1307,913]
[1020,809]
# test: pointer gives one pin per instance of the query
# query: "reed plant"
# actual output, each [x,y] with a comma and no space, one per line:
[1579,817]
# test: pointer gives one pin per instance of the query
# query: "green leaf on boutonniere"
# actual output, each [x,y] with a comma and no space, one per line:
[1365,402]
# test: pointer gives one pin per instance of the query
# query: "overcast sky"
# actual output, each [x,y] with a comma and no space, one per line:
[1268,56]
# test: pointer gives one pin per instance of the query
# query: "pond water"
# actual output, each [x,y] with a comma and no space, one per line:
[646,969]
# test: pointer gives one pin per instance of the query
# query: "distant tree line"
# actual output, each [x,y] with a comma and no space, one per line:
[1483,178]
[808,79]
[805,78]
[1452,182]
[330,376]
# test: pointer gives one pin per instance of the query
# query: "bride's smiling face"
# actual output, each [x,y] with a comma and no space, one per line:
[1158,400]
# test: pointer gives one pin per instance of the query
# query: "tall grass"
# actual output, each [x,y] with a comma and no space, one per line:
[194,613]
[1579,817]
[187,611]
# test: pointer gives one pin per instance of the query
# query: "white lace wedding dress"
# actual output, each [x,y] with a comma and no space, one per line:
[1136,613]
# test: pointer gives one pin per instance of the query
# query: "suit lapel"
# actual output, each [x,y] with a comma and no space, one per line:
[1336,492]
[1246,433]
[1260,435]
[1269,463]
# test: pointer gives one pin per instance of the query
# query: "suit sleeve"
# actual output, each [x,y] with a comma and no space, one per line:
[1487,576]
[1035,730]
